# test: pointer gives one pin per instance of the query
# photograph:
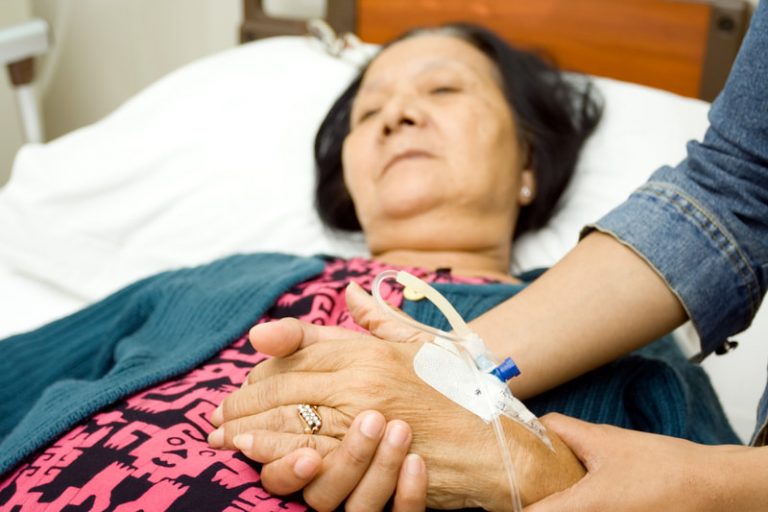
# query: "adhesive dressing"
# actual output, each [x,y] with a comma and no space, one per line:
[460,366]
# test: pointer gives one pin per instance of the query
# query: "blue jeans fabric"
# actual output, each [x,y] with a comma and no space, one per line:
[703,224]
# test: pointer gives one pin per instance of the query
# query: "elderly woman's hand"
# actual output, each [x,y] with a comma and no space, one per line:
[344,377]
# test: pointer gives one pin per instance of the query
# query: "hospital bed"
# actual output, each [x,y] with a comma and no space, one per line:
[216,157]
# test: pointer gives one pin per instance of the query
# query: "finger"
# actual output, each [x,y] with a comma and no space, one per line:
[379,482]
[332,356]
[266,446]
[275,391]
[285,419]
[343,468]
[287,335]
[411,494]
[368,314]
[292,472]
[584,439]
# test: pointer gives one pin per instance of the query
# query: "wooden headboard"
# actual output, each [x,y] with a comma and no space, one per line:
[683,46]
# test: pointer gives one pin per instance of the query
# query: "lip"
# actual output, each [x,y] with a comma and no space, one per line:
[406,155]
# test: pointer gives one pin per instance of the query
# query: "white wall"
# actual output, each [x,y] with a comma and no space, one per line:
[11,11]
[106,51]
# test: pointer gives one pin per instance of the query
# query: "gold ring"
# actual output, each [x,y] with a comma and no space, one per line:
[310,417]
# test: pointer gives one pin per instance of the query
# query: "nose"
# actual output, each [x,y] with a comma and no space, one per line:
[401,112]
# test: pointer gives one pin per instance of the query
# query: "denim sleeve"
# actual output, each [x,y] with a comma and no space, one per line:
[703,225]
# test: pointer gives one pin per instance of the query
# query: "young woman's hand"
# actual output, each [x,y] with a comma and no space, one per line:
[369,469]
[631,471]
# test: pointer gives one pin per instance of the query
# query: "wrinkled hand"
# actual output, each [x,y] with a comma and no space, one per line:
[632,471]
[345,376]
[364,470]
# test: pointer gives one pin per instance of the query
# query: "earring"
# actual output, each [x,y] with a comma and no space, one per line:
[525,191]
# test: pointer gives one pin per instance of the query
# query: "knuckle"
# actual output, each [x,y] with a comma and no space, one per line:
[249,400]
[260,396]
[286,418]
[357,454]
[308,441]
[232,429]
[354,505]
[263,451]
[387,460]
[260,371]
[230,406]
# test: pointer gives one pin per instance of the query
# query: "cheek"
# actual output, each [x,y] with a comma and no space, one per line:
[485,142]
[481,128]
[356,162]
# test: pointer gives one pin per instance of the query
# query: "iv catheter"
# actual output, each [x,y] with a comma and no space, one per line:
[471,349]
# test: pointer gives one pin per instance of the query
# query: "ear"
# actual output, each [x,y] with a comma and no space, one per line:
[527,191]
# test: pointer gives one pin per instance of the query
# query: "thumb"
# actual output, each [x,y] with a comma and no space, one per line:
[283,337]
[368,314]
[583,439]
[572,499]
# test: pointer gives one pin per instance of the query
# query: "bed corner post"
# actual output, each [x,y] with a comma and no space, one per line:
[341,15]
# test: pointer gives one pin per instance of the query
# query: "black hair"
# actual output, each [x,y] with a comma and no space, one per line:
[555,114]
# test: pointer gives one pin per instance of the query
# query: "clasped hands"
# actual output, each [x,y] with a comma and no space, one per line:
[354,379]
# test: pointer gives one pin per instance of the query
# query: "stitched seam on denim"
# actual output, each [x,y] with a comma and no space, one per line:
[761,435]
[692,211]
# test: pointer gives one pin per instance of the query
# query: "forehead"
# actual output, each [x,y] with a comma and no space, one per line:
[426,52]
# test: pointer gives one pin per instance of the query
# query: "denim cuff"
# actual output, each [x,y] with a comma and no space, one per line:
[692,253]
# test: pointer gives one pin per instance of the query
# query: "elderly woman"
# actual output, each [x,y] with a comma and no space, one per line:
[448,146]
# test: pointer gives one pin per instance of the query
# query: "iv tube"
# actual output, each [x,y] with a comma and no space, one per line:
[461,328]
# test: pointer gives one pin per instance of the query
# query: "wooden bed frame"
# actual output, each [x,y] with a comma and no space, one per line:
[683,46]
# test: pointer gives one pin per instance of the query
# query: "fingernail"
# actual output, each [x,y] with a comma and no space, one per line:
[244,442]
[304,467]
[371,426]
[397,435]
[216,438]
[413,464]
[218,415]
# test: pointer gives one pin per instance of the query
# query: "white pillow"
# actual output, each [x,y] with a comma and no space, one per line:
[641,129]
[216,158]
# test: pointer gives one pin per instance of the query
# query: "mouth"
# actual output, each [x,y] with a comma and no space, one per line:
[410,154]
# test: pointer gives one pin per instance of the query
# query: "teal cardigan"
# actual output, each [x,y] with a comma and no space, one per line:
[165,325]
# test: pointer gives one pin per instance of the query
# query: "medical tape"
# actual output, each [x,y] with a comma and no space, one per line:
[459,365]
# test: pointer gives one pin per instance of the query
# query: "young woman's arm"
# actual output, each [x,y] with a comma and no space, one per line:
[600,302]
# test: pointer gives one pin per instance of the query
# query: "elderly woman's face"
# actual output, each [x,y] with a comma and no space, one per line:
[432,147]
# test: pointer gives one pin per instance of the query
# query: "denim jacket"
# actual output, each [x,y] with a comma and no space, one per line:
[703,224]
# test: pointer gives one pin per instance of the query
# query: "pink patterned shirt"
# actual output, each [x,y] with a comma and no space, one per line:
[149,451]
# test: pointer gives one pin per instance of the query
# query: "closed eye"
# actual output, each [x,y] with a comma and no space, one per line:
[444,89]
[367,114]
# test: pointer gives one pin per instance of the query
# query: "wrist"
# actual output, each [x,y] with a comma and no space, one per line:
[539,470]
[736,479]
